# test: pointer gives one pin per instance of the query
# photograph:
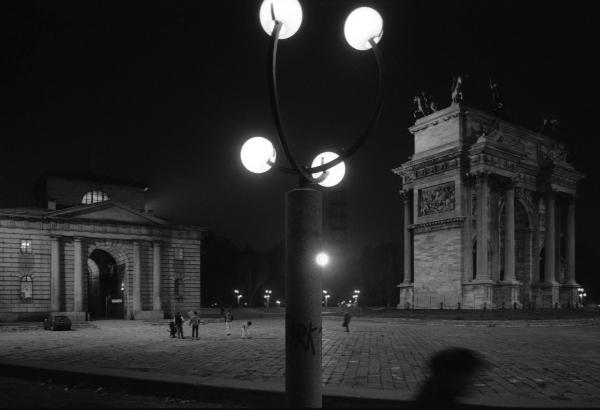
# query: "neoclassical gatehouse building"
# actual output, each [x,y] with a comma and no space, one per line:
[489,215]
[89,249]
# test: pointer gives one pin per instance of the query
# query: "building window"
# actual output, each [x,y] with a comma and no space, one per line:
[93,197]
[179,253]
[26,246]
[26,287]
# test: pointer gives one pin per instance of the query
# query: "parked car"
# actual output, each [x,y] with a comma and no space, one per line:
[58,323]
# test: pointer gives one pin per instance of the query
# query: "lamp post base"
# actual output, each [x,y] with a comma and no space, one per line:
[303,328]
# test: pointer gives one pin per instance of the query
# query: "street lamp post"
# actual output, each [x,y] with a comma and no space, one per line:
[326,296]
[355,296]
[268,296]
[363,29]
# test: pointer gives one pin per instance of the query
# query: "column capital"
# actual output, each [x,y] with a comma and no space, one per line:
[482,176]
[405,194]
[509,183]
[77,238]
[549,193]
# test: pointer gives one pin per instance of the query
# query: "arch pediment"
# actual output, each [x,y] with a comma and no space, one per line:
[108,211]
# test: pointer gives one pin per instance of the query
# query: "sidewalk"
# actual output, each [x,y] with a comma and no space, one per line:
[381,360]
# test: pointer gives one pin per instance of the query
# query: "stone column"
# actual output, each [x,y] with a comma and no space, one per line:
[509,235]
[407,237]
[55,289]
[77,276]
[137,278]
[156,301]
[550,241]
[483,192]
[570,279]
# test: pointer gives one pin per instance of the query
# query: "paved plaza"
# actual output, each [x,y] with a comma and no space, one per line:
[554,362]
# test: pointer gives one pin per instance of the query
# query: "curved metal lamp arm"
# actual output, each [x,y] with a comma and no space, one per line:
[275,103]
[305,172]
[366,133]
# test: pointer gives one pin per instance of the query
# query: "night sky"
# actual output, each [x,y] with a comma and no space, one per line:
[165,93]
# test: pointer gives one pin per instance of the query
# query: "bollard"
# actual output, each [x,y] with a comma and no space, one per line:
[441,305]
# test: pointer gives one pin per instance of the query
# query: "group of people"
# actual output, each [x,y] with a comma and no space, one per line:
[176,326]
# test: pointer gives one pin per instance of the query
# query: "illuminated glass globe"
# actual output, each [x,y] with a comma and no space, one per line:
[258,155]
[322,259]
[287,12]
[336,173]
[362,25]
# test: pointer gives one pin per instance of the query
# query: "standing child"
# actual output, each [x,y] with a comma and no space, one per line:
[245,330]
[179,325]
[346,322]
[228,319]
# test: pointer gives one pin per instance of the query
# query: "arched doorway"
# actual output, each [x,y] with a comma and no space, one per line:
[105,286]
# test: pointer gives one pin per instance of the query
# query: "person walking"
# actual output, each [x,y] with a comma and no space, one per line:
[228,319]
[346,322]
[246,330]
[195,322]
[179,325]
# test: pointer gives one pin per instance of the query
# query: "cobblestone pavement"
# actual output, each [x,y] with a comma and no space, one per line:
[551,360]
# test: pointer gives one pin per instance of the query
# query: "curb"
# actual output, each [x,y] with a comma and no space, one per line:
[242,392]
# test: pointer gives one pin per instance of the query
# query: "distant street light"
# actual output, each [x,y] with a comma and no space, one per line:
[363,29]
[322,259]
[355,296]
[326,296]
[268,296]
[238,296]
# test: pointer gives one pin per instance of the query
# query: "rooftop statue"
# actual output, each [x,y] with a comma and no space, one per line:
[496,99]
[424,105]
[457,93]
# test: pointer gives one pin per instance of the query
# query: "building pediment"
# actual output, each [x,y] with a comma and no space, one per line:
[108,211]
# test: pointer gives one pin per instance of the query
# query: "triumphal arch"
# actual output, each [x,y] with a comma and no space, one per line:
[489,215]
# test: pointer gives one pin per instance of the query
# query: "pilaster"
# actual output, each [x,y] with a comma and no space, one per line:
[55,285]
[77,276]
[137,278]
[408,274]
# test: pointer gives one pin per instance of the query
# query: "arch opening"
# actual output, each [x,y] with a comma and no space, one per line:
[106,298]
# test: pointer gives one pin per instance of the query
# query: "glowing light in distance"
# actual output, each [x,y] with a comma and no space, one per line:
[322,259]
[258,154]
[362,25]
[287,12]
[336,173]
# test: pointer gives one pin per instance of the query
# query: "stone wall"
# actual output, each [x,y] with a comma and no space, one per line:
[14,264]
[437,268]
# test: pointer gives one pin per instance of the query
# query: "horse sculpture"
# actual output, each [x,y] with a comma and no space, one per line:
[457,94]
[421,109]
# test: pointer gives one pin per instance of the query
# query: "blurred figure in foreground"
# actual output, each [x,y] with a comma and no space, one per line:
[452,371]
